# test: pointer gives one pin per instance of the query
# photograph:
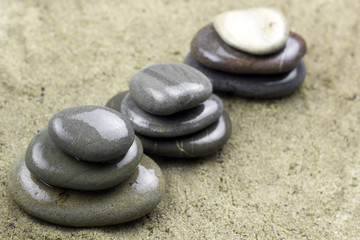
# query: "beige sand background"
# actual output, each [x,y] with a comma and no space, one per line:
[291,169]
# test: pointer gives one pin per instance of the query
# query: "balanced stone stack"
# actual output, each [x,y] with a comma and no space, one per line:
[250,53]
[86,168]
[173,111]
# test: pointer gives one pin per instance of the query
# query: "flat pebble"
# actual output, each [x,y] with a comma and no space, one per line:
[253,85]
[202,143]
[132,199]
[177,124]
[211,51]
[47,162]
[115,101]
[167,88]
[257,31]
[91,133]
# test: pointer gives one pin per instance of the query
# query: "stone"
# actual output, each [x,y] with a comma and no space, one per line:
[91,133]
[202,143]
[253,85]
[211,51]
[132,199]
[177,124]
[115,101]
[47,162]
[167,88]
[258,31]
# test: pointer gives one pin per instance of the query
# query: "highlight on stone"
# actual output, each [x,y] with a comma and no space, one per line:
[194,124]
[242,46]
[86,168]
[256,31]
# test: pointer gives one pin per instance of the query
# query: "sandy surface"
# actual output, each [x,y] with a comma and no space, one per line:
[291,169]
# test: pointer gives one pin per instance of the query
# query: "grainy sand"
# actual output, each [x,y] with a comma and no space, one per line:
[291,169]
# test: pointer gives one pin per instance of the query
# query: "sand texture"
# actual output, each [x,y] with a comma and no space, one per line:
[291,169]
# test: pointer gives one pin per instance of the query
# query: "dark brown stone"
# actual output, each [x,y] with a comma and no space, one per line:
[211,51]
[253,85]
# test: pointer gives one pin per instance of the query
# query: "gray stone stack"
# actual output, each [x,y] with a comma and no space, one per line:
[87,168]
[173,111]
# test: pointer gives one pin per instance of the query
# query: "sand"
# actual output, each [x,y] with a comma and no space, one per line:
[291,169]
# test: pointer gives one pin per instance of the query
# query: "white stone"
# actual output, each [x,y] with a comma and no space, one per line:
[256,31]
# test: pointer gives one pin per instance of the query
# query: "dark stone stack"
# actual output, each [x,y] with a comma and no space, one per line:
[173,111]
[237,72]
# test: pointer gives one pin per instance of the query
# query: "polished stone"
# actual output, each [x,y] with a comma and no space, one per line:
[91,133]
[202,143]
[115,101]
[177,124]
[258,31]
[208,48]
[253,85]
[167,88]
[132,199]
[47,162]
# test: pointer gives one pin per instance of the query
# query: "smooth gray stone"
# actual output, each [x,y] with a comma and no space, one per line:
[115,101]
[177,124]
[132,199]
[167,88]
[202,143]
[91,133]
[253,85]
[47,162]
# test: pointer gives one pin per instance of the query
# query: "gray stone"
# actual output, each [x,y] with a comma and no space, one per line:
[167,88]
[115,101]
[91,133]
[132,199]
[47,162]
[253,85]
[177,124]
[202,143]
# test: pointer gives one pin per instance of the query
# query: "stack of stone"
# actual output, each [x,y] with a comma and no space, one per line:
[173,111]
[250,53]
[86,168]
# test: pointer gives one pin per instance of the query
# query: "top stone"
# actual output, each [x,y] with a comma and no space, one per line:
[258,31]
[167,88]
[91,133]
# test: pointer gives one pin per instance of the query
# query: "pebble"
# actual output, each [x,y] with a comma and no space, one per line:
[167,88]
[253,85]
[177,124]
[258,31]
[132,199]
[47,162]
[91,133]
[202,143]
[211,51]
[115,101]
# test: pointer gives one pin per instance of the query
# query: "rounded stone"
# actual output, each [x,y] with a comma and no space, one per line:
[211,51]
[253,85]
[258,31]
[167,88]
[47,162]
[91,133]
[202,143]
[115,102]
[132,199]
[177,124]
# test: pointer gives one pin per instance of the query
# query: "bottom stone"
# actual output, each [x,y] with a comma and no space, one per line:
[132,199]
[252,85]
[202,143]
